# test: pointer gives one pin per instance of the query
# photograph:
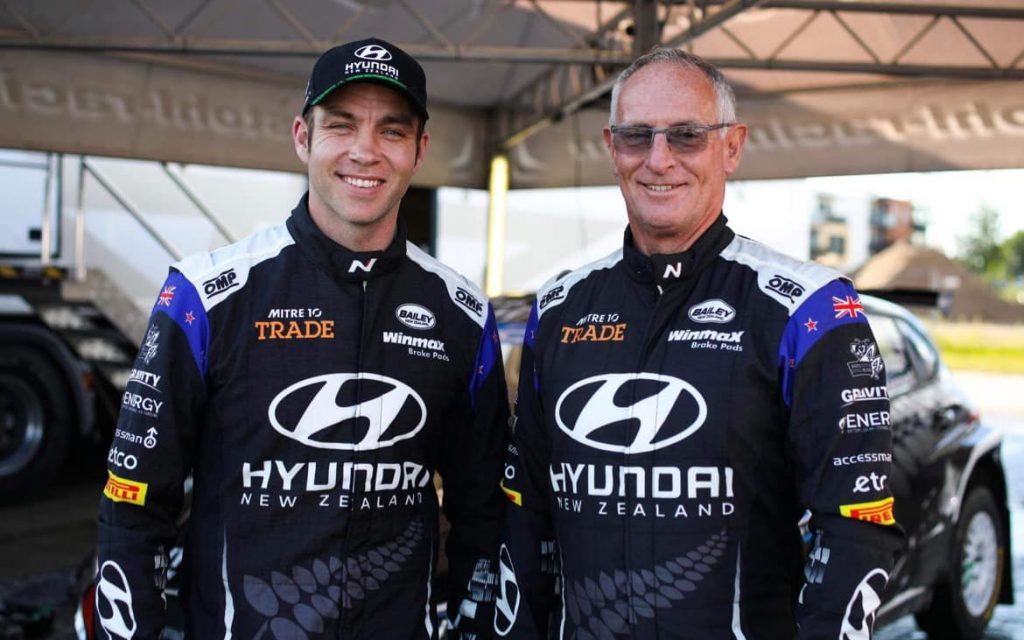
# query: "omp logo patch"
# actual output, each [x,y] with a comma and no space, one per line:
[114,602]
[348,411]
[469,301]
[878,512]
[628,412]
[220,283]
[788,289]
[120,489]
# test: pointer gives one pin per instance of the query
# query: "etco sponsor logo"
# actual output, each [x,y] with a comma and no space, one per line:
[869,483]
[468,300]
[590,404]
[867,421]
[145,378]
[861,458]
[220,283]
[554,294]
[785,287]
[714,310]
[868,362]
[139,403]
[415,316]
[120,489]
[878,512]
[313,412]
[865,394]
[122,460]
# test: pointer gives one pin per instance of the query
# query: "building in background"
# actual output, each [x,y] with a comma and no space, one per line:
[830,234]
[893,221]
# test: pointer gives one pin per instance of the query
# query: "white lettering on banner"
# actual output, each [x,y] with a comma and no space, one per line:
[311,477]
[660,482]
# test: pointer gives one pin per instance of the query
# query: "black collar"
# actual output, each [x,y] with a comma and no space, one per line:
[666,269]
[336,260]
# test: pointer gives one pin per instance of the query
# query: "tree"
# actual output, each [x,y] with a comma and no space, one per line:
[1013,250]
[980,250]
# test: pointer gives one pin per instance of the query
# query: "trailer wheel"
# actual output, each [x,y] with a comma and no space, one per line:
[36,422]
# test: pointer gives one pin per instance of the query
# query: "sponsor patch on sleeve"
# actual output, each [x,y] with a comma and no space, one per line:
[515,496]
[878,512]
[119,489]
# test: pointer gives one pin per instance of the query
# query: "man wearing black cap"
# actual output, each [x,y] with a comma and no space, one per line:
[312,378]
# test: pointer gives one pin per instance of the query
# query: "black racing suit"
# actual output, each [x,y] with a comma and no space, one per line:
[676,417]
[312,392]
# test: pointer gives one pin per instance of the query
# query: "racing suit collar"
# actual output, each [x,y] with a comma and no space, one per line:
[334,259]
[667,269]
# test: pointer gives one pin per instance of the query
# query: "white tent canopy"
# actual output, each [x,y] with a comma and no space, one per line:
[827,87]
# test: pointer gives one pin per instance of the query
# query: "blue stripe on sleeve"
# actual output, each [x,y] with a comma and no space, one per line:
[834,305]
[486,356]
[180,301]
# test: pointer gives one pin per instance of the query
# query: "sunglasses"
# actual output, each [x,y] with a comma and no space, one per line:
[683,138]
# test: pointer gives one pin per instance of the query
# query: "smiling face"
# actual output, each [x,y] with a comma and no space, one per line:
[671,198]
[361,155]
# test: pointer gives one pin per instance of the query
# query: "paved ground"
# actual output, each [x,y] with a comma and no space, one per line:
[43,544]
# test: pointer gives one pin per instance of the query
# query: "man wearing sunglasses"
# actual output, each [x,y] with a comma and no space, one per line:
[684,402]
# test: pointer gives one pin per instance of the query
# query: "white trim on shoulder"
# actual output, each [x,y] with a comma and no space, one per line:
[783,278]
[466,295]
[553,292]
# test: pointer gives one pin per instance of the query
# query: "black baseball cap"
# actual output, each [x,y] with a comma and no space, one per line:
[370,60]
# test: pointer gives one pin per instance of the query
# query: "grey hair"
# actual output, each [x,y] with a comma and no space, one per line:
[724,96]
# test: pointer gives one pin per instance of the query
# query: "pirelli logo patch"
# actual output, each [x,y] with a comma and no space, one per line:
[878,512]
[514,496]
[121,490]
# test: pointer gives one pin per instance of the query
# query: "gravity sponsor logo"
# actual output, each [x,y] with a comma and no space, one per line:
[373,52]
[387,411]
[150,344]
[415,316]
[121,459]
[551,296]
[295,330]
[878,512]
[120,489]
[469,301]
[842,461]
[714,310]
[589,405]
[868,362]
[788,289]
[220,283]
[139,403]
[866,394]
[506,608]
[869,483]
[860,422]
[114,602]
[859,619]
[145,378]
[594,333]
[423,347]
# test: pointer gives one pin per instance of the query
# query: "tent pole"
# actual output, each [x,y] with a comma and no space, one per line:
[497,226]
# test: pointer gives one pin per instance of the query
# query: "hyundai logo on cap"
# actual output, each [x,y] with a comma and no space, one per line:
[373,52]
[370,60]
